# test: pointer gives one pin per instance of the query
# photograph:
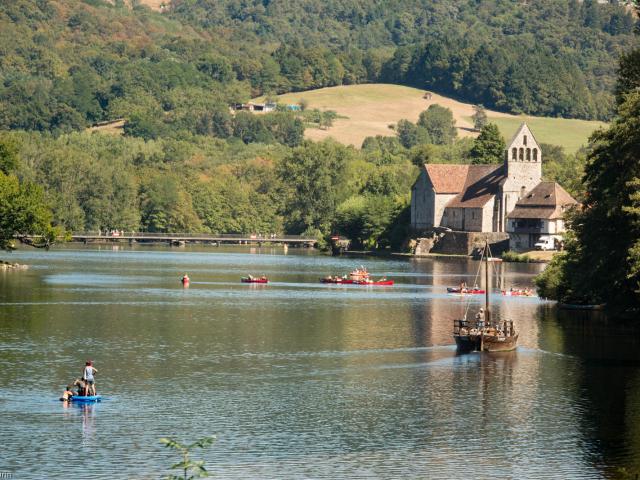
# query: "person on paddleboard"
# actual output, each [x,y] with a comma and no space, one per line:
[87,376]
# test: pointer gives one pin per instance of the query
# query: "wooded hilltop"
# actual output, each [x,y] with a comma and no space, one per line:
[187,163]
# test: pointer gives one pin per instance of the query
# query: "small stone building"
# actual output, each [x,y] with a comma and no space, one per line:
[540,212]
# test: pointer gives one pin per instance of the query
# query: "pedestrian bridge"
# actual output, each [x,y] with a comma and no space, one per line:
[182,238]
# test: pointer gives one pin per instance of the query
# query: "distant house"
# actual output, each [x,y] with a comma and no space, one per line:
[482,198]
[540,212]
[255,107]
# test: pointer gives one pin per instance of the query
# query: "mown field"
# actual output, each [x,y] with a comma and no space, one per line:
[569,133]
[370,109]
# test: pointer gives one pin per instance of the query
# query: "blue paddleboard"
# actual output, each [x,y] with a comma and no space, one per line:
[90,398]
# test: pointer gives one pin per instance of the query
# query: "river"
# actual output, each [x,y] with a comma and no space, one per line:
[298,379]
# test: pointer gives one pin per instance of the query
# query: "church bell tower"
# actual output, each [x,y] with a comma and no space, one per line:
[523,170]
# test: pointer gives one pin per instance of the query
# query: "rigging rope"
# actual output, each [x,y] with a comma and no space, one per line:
[475,282]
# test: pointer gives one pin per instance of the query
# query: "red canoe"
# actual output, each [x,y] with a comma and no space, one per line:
[338,280]
[254,280]
[345,281]
[465,291]
[374,282]
[515,293]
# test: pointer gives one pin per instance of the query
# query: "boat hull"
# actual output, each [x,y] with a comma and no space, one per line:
[488,343]
[467,343]
[339,281]
[356,282]
[499,344]
[466,291]
[254,280]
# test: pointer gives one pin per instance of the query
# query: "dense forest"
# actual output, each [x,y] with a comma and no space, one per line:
[67,64]
[185,162]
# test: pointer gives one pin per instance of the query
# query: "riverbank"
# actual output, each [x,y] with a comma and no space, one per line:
[533,256]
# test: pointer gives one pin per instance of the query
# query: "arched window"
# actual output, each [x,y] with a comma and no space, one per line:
[521,154]
[514,153]
[535,154]
[528,154]
[525,141]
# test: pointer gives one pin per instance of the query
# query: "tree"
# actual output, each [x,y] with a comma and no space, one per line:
[364,218]
[167,207]
[439,123]
[629,74]
[23,211]
[314,183]
[489,147]
[591,14]
[9,148]
[411,135]
[602,261]
[567,170]
[479,117]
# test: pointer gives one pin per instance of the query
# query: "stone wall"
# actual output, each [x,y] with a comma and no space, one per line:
[462,243]
[422,203]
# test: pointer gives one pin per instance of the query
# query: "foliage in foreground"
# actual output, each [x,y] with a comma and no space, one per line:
[190,468]
[602,260]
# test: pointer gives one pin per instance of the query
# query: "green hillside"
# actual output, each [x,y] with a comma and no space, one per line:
[368,110]
[570,134]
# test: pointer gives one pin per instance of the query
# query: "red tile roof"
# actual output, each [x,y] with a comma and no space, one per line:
[546,200]
[447,178]
[481,185]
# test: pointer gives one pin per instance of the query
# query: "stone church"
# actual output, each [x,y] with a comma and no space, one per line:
[480,198]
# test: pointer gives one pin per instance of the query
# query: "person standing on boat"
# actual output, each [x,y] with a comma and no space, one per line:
[480,318]
[87,376]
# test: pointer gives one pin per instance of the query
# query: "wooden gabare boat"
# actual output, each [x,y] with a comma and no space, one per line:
[482,334]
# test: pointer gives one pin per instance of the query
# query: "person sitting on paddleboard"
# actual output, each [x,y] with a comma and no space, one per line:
[87,376]
[79,384]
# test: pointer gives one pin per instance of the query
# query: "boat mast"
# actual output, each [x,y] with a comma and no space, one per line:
[487,314]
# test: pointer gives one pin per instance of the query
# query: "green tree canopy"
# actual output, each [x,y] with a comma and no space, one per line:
[9,148]
[439,123]
[479,117]
[23,210]
[602,262]
[314,183]
[489,147]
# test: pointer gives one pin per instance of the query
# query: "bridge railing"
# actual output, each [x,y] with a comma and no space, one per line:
[189,235]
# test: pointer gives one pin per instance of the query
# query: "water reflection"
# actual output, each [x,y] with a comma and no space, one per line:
[303,380]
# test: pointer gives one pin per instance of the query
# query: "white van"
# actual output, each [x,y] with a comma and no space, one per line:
[547,242]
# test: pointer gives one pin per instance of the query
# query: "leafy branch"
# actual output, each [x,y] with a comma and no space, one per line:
[190,468]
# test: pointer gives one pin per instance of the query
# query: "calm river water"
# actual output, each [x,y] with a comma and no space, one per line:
[299,379]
